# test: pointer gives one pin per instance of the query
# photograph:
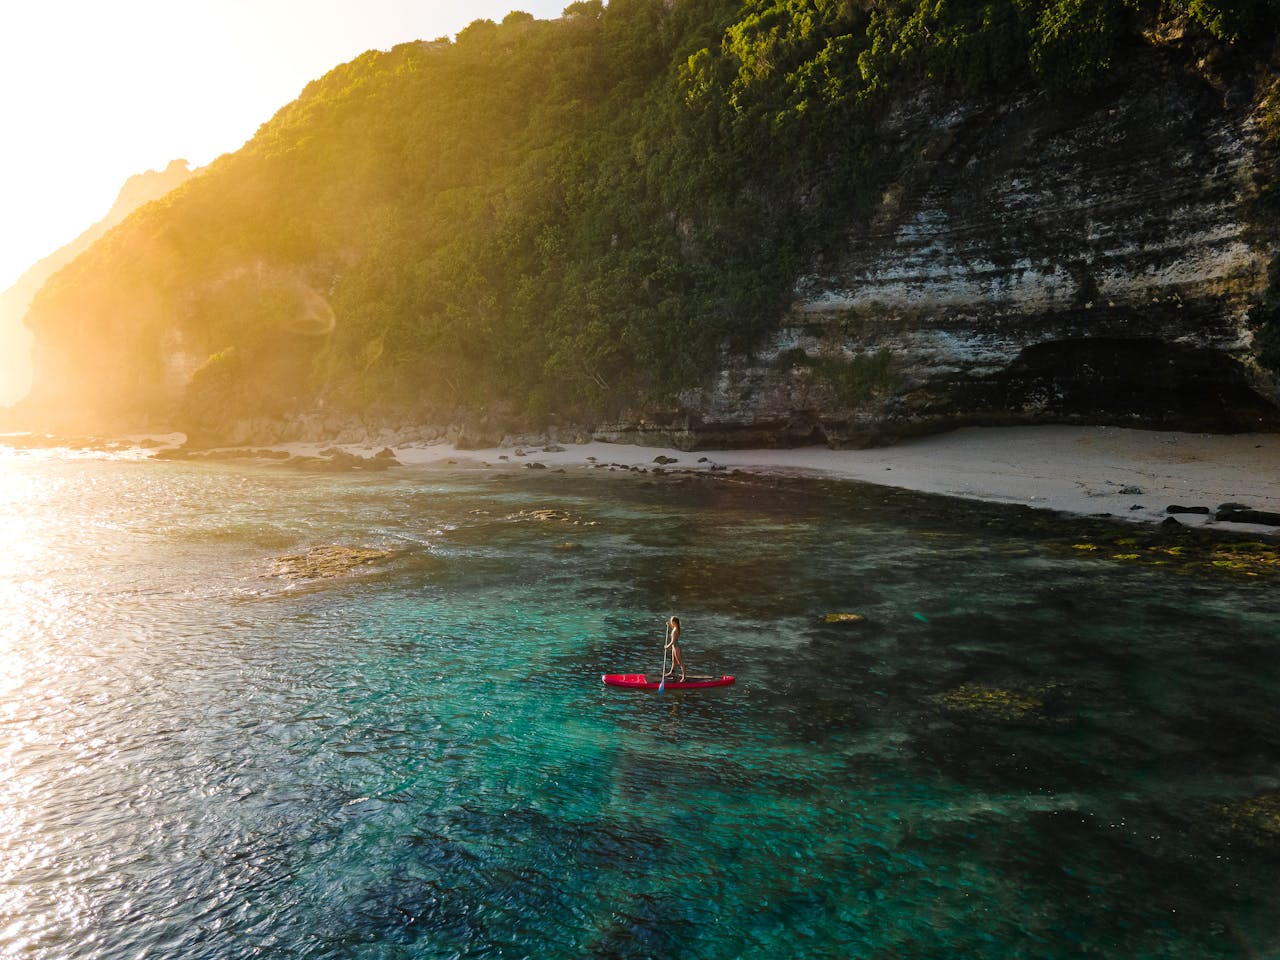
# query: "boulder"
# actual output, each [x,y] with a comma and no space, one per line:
[477,436]
[334,460]
[1245,515]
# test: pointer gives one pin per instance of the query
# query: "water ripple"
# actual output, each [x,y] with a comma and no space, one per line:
[199,761]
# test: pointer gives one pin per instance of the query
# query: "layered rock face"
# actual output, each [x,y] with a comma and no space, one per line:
[1036,261]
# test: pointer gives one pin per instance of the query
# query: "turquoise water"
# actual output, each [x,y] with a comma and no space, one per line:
[201,759]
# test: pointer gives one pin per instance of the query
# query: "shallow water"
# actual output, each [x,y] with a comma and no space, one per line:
[201,759]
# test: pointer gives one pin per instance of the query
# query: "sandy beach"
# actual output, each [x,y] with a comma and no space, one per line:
[1129,474]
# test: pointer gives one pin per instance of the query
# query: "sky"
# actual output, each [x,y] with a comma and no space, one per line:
[94,91]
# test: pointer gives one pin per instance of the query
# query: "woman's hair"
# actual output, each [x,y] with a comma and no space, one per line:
[676,621]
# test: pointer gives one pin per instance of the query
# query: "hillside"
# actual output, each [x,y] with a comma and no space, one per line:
[702,221]
[15,338]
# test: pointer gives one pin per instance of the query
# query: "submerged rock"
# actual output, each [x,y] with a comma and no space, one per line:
[548,515]
[1256,819]
[1251,559]
[844,618]
[329,460]
[221,453]
[1187,549]
[992,703]
[321,563]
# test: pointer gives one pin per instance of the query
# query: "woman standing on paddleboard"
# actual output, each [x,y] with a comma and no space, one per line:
[673,636]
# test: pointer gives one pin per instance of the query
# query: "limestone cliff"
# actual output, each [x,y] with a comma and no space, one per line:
[827,225]
[1035,261]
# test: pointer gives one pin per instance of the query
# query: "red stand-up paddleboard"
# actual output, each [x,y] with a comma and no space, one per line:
[640,681]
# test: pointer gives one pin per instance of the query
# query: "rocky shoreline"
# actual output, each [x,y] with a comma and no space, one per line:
[373,430]
[330,459]
[1228,482]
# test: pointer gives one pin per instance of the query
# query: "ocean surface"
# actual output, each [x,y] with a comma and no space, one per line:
[1026,750]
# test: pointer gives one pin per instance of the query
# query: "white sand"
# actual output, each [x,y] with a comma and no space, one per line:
[1080,470]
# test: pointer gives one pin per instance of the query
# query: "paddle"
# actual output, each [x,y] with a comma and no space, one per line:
[666,633]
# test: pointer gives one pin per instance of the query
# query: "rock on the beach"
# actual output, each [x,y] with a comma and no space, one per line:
[1238,514]
[477,436]
[1175,508]
[333,460]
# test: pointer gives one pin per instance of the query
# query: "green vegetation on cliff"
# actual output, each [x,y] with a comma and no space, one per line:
[543,215]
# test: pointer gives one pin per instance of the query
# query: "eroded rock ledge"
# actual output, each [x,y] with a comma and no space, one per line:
[1036,261]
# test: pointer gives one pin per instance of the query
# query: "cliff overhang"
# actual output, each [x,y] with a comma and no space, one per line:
[1035,260]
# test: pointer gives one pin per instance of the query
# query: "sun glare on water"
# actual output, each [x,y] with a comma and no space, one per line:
[25,611]
[20,498]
